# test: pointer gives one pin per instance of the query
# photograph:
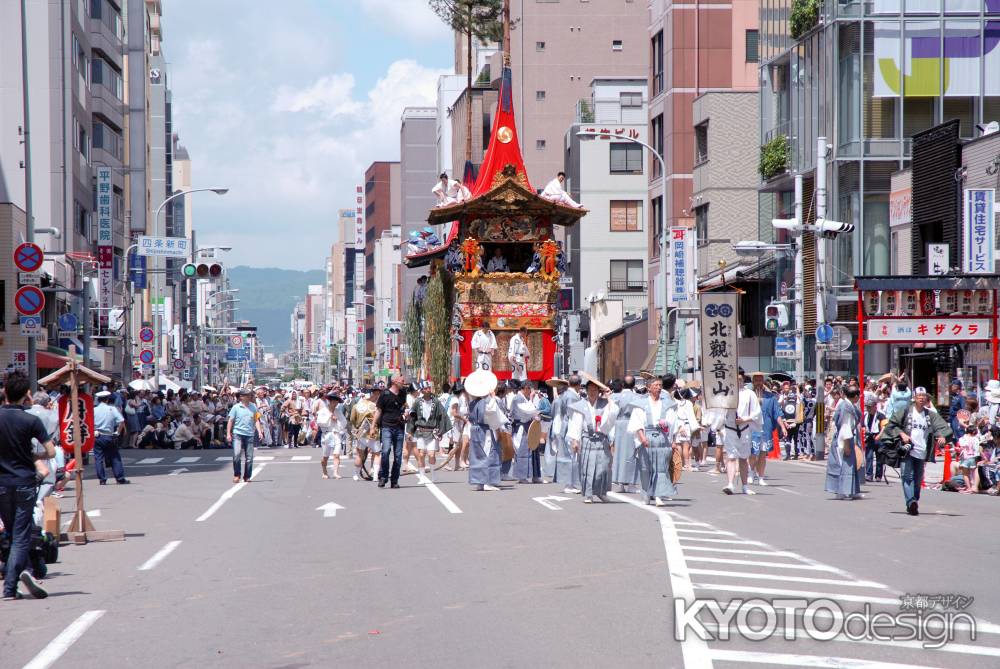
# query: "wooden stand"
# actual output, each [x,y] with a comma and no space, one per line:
[80,529]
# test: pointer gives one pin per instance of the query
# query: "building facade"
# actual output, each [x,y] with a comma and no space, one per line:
[383,204]
[418,174]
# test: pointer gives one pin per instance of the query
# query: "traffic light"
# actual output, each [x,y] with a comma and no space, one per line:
[202,270]
[392,327]
[775,316]
[830,229]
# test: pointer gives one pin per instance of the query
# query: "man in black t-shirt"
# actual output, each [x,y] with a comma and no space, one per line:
[18,485]
[389,412]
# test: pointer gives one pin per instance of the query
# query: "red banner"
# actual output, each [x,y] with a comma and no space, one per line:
[85,406]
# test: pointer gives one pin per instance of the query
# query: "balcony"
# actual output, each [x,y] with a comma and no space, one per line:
[104,39]
[626,286]
[105,103]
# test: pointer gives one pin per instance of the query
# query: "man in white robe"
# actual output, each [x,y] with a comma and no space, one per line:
[555,192]
[449,191]
[484,345]
[740,424]
[518,354]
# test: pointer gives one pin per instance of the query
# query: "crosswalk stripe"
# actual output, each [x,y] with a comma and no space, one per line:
[149,461]
[785,577]
[223,458]
[741,551]
[722,532]
[301,458]
[759,563]
[715,587]
[725,541]
[263,458]
[187,461]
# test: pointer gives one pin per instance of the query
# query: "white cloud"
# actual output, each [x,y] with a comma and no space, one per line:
[329,95]
[413,19]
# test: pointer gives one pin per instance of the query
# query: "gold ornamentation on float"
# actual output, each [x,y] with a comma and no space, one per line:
[505,134]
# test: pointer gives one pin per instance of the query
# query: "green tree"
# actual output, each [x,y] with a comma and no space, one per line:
[479,19]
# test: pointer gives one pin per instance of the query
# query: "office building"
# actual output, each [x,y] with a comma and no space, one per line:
[418,174]
[383,205]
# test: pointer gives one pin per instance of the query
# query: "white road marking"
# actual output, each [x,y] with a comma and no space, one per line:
[758,563]
[687,531]
[179,470]
[224,459]
[160,555]
[785,577]
[550,501]
[741,551]
[441,497]
[788,490]
[680,523]
[725,541]
[791,660]
[330,509]
[737,587]
[149,461]
[694,649]
[226,495]
[51,653]
[263,458]
[301,458]
[187,460]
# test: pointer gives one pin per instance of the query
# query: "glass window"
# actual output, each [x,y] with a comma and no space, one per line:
[701,143]
[657,136]
[752,46]
[962,61]
[626,215]
[881,80]
[630,99]
[849,87]
[701,224]
[656,225]
[923,6]
[616,45]
[96,71]
[539,95]
[921,75]
[539,46]
[656,59]
[626,158]
[626,275]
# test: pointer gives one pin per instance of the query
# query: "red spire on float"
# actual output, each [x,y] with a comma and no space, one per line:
[504,152]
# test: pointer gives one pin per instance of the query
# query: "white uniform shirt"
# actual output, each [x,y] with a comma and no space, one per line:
[576,422]
[517,352]
[638,420]
[554,190]
[484,342]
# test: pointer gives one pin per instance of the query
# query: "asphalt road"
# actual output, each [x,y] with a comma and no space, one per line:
[273,574]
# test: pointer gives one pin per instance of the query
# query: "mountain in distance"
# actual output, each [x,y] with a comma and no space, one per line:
[267,297]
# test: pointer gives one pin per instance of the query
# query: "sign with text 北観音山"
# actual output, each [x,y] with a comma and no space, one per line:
[719,322]
[978,231]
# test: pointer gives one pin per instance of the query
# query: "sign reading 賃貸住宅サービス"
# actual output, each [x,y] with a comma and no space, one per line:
[719,322]
[978,231]
[928,329]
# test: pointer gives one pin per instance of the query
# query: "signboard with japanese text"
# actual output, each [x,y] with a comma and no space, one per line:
[19,361]
[85,406]
[719,323]
[681,265]
[105,244]
[977,231]
[359,221]
[163,247]
[928,329]
[900,207]
[612,133]
[937,258]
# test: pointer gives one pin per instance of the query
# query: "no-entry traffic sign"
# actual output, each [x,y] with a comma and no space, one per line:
[178,363]
[28,257]
[146,357]
[29,301]
[236,341]
[146,335]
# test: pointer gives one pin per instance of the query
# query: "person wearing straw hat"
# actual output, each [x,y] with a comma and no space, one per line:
[591,424]
[558,387]
[522,413]
[485,418]
[624,467]
[992,395]
[567,464]
[652,425]
[428,423]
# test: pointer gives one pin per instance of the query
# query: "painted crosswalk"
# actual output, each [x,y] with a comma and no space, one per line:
[206,460]
[709,563]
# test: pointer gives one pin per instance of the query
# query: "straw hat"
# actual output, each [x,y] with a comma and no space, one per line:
[480,383]
[993,391]
[555,382]
[587,378]
[647,374]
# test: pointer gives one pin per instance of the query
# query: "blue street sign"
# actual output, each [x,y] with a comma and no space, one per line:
[68,322]
[137,271]
[784,347]
[237,354]
[824,333]
[29,301]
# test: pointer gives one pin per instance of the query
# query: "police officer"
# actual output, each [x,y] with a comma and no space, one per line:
[108,422]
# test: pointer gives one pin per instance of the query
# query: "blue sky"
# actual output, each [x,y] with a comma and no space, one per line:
[286,104]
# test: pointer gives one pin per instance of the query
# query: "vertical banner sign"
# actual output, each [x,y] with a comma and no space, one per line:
[937,259]
[359,221]
[681,259]
[719,322]
[105,245]
[977,231]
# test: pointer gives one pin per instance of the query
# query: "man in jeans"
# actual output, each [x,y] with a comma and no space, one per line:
[243,428]
[918,429]
[389,417]
[18,485]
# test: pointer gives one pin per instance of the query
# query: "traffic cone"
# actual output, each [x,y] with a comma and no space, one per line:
[775,452]
[946,472]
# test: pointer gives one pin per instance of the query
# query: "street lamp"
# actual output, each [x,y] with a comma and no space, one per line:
[590,134]
[756,249]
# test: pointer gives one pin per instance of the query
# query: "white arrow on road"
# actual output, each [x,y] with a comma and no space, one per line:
[549,502]
[329,509]
[178,471]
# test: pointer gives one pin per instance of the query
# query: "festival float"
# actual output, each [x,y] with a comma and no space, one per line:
[501,215]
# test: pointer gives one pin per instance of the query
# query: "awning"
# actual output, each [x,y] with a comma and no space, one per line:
[45,360]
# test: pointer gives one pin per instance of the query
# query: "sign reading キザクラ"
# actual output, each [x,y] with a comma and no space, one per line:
[719,322]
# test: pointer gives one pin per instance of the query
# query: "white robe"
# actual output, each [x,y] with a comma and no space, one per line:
[454,192]
[497,264]
[576,422]
[638,419]
[517,353]
[554,192]
[483,346]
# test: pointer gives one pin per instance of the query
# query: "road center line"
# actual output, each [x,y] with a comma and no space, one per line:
[51,653]
[226,495]
[160,555]
[441,497]
[693,648]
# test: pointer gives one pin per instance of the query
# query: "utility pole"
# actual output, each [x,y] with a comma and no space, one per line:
[29,224]
[800,324]
[820,256]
